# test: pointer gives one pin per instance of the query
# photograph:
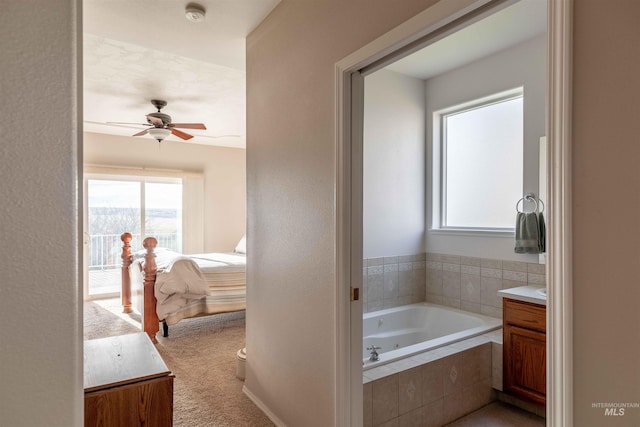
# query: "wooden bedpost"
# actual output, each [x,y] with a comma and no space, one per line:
[126,279]
[150,321]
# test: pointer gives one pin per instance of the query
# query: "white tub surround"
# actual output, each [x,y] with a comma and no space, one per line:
[535,294]
[402,332]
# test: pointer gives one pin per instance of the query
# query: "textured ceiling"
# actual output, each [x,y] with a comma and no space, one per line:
[135,51]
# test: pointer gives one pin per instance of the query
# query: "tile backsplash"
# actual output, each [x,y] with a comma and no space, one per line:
[467,283]
[393,281]
[472,284]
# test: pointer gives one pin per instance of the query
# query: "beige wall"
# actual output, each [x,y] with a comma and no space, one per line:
[606,209]
[223,170]
[40,296]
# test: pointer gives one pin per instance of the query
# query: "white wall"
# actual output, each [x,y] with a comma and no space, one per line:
[523,65]
[40,296]
[224,171]
[394,165]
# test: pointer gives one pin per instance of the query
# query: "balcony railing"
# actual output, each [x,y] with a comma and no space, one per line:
[105,250]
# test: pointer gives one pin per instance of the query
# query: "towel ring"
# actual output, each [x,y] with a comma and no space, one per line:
[530,197]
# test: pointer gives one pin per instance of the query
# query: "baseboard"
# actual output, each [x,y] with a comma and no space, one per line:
[539,410]
[277,421]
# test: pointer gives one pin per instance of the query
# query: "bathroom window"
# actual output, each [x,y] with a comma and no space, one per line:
[480,163]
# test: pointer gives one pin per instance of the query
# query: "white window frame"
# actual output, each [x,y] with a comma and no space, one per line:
[438,210]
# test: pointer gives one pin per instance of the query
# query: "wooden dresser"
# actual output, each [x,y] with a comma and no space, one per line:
[126,383]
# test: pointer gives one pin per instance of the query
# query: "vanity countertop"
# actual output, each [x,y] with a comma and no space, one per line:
[532,293]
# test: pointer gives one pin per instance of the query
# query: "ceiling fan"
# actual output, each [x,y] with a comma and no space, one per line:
[160,125]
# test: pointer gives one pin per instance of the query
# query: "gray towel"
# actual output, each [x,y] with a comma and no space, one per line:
[527,233]
[542,229]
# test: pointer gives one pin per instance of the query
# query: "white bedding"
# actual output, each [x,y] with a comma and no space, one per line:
[216,278]
[220,262]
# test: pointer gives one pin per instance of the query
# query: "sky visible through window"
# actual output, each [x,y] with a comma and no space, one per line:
[115,206]
[126,194]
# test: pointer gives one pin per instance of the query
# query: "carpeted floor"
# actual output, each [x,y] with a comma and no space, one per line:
[201,353]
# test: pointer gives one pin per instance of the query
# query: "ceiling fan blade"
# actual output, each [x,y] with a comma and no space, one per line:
[187,125]
[155,121]
[181,134]
[126,123]
[144,132]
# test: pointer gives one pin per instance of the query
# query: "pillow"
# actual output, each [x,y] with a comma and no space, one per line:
[241,247]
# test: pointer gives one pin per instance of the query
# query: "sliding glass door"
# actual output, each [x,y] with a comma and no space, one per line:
[143,206]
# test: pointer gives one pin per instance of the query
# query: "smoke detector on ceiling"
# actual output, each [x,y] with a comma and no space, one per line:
[194,13]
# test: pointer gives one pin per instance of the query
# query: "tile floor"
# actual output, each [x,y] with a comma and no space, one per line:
[499,414]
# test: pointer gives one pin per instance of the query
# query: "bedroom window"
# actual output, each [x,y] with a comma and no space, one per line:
[480,163]
[115,204]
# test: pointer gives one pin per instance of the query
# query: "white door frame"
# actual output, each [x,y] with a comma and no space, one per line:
[349,95]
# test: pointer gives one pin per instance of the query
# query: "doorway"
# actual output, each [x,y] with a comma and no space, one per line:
[407,38]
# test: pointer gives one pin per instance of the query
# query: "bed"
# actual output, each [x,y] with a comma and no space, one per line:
[165,286]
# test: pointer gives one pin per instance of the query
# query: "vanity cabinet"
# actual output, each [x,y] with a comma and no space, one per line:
[524,350]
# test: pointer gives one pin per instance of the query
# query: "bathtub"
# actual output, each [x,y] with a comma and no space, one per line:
[404,331]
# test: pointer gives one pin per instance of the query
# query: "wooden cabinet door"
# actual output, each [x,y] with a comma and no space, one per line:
[142,404]
[525,363]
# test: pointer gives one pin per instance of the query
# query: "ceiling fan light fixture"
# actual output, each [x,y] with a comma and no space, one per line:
[159,133]
[194,13]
